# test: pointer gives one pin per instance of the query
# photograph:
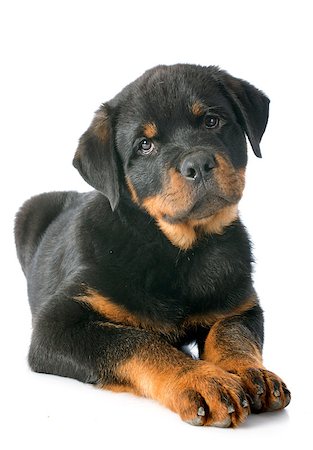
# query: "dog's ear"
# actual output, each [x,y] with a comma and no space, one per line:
[96,159]
[251,107]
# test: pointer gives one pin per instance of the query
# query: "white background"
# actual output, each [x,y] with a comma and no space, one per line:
[59,61]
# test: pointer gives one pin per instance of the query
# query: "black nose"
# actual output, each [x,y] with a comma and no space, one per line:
[197,166]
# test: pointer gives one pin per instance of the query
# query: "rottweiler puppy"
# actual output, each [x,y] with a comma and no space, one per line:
[122,278]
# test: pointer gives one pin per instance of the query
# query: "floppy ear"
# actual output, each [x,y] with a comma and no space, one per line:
[95,158]
[251,107]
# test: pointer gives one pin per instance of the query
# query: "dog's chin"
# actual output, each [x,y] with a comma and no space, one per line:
[202,209]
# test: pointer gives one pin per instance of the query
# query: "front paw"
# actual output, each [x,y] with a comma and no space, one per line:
[266,390]
[207,395]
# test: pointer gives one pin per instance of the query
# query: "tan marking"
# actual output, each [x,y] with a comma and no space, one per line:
[217,223]
[214,353]
[165,374]
[197,109]
[176,196]
[120,388]
[106,307]
[184,235]
[118,314]
[230,181]
[150,372]
[150,130]
[181,235]
[211,318]
[179,196]
[132,191]
[235,351]
[101,126]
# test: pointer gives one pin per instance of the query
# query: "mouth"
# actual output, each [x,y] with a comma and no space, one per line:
[204,208]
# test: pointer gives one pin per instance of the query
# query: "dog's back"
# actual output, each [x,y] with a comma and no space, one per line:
[33,219]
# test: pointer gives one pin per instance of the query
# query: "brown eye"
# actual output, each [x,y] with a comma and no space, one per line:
[146,147]
[211,121]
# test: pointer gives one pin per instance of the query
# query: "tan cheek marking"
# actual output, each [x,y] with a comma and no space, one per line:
[132,191]
[155,205]
[229,180]
[179,194]
[150,130]
[175,198]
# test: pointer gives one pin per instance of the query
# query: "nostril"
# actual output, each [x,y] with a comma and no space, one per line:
[188,169]
[191,173]
[207,168]
[209,164]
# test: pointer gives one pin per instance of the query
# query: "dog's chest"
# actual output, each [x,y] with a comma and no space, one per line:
[193,281]
[160,283]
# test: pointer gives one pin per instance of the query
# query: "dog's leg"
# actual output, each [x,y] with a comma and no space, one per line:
[70,340]
[235,345]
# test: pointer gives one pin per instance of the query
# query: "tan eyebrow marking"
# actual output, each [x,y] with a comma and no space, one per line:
[197,108]
[150,130]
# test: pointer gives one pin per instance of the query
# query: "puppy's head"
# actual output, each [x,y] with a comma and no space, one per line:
[174,142]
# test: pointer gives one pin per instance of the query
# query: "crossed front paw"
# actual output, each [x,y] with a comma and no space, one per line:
[265,390]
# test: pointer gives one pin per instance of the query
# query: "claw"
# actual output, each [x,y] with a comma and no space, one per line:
[287,396]
[201,411]
[260,390]
[250,399]
[223,424]
[197,421]
[257,403]
[276,393]
[231,409]
[276,389]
